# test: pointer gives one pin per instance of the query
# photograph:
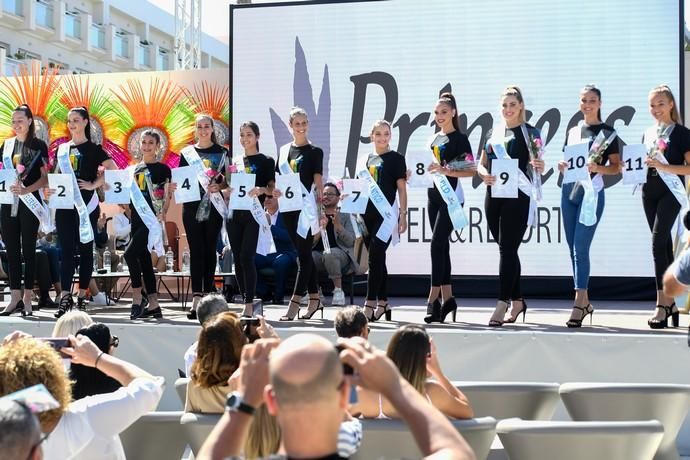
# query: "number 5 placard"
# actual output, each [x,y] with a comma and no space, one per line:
[241,184]
[187,184]
[634,167]
[506,172]
[7,178]
[291,188]
[356,200]
[63,195]
[118,183]
[576,157]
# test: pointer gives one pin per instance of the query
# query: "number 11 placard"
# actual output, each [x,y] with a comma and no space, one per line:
[634,168]
[506,172]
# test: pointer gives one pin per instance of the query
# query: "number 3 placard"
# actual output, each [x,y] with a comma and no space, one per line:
[118,183]
[187,184]
[241,184]
[63,195]
[506,172]
[7,178]
[356,200]
[576,157]
[291,188]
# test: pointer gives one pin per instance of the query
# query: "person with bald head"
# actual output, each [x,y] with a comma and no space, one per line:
[304,386]
[20,436]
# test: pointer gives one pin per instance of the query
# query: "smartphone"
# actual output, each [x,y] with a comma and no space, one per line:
[249,327]
[57,343]
[347,369]
[250,321]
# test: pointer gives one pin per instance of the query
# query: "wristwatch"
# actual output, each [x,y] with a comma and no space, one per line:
[235,403]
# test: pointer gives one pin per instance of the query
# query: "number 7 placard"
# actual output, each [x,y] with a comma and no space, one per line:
[355,201]
[291,189]
[506,172]
[241,185]
[187,184]
[634,167]
[8,177]
[63,193]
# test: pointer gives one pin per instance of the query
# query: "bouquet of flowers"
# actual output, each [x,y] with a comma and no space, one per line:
[20,168]
[599,146]
[204,210]
[157,195]
[660,144]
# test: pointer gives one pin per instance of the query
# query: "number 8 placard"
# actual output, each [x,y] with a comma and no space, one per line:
[63,193]
[355,201]
[291,188]
[241,185]
[118,186]
[506,172]
[7,178]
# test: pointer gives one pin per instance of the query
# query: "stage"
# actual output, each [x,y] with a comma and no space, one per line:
[618,347]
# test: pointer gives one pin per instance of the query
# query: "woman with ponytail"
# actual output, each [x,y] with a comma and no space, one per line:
[451,148]
[83,158]
[29,157]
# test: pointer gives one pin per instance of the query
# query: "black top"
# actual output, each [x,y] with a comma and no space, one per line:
[32,157]
[214,157]
[451,147]
[306,160]
[386,169]
[591,132]
[330,231]
[159,174]
[263,167]
[517,149]
[678,145]
[85,159]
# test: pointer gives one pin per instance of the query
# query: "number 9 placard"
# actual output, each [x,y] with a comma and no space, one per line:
[506,172]
[118,183]
[291,188]
[241,185]
[355,201]
[63,193]
[576,157]
[634,167]
[7,178]
[187,184]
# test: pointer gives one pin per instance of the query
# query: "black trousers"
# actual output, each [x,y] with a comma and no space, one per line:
[507,219]
[43,277]
[243,232]
[377,280]
[441,227]
[661,209]
[306,273]
[19,234]
[138,258]
[202,238]
[67,225]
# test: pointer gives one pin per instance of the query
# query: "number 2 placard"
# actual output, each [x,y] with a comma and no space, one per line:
[356,200]
[7,178]
[291,188]
[119,182]
[576,157]
[506,172]
[241,184]
[187,184]
[634,168]
[63,195]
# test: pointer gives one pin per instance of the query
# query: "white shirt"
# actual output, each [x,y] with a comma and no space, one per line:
[189,358]
[90,427]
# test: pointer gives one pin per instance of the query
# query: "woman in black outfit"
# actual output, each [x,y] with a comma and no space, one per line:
[388,169]
[450,147]
[306,160]
[30,155]
[85,158]
[507,217]
[243,230]
[149,173]
[660,205]
[202,235]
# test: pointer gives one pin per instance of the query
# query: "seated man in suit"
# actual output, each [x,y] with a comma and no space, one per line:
[283,261]
[341,240]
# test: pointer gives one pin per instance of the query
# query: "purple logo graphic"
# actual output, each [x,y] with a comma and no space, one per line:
[319,121]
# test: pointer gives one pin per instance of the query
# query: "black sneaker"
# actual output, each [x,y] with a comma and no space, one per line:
[157,313]
[136,312]
[82,303]
[66,304]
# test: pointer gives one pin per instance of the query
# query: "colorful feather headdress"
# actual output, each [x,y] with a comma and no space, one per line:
[213,100]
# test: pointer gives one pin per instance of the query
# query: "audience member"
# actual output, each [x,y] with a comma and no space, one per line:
[47,243]
[209,306]
[351,322]
[283,261]
[304,386]
[20,436]
[414,353]
[341,241]
[89,381]
[70,323]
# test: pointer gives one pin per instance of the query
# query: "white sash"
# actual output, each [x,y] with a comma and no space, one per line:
[389,225]
[524,184]
[591,186]
[265,244]
[451,197]
[85,230]
[192,157]
[308,217]
[36,207]
[148,216]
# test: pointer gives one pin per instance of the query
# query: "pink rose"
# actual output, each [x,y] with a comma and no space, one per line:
[469,157]
[538,143]
[20,168]
[158,193]
[210,173]
[233,168]
[661,144]
[1,165]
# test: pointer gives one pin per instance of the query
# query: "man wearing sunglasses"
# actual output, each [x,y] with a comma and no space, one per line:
[20,436]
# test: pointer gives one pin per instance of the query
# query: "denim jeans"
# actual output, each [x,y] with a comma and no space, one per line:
[578,236]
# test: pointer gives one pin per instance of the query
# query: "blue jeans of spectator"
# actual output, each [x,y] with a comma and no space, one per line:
[53,253]
[578,236]
[281,264]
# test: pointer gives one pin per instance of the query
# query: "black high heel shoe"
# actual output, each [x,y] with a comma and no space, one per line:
[668,313]
[499,322]
[449,306]
[66,304]
[433,312]
[588,310]
[17,308]
[319,306]
[370,318]
[386,311]
[287,317]
[513,319]
[30,311]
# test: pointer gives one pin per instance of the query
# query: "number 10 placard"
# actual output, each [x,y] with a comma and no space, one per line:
[506,172]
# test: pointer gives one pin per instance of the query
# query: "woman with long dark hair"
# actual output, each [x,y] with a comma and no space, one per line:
[451,149]
[28,155]
[76,227]
[243,228]
[508,217]
[664,194]
[605,160]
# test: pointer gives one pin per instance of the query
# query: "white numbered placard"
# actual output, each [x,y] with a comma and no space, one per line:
[506,172]
[417,163]
[357,196]
[119,182]
[634,167]
[241,185]
[187,184]
[63,191]
[576,156]
[8,177]
[291,189]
